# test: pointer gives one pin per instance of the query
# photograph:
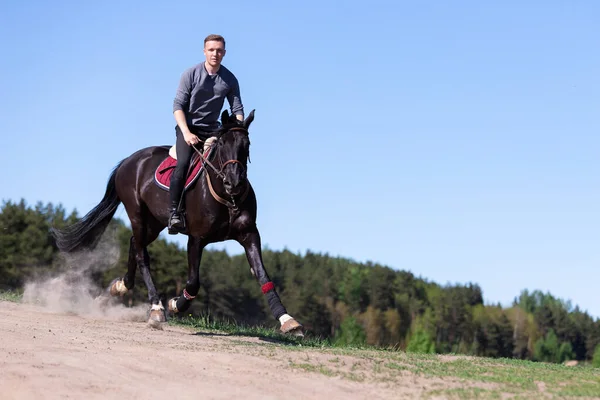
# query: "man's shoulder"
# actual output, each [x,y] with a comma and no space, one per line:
[194,70]
[227,75]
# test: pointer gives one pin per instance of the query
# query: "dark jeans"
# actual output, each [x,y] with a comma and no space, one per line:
[184,155]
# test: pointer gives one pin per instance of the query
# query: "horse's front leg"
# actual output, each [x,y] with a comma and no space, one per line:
[180,304]
[251,243]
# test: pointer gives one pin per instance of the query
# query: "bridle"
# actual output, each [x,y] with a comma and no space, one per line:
[231,204]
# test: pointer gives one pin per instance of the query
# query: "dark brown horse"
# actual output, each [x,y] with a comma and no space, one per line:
[221,205]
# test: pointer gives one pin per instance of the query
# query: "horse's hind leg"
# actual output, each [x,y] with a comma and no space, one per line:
[142,238]
[144,233]
[120,286]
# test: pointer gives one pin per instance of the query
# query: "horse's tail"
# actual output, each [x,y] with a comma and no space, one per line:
[85,233]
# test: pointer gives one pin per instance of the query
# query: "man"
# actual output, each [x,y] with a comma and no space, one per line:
[202,91]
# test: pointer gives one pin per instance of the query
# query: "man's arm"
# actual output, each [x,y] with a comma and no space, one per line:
[188,136]
[235,101]
[181,102]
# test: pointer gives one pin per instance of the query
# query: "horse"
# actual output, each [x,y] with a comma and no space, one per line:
[220,205]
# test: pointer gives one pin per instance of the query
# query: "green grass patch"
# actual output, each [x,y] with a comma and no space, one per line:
[319,368]
[9,295]
[207,324]
[507,376]
[465,393]
[478,377]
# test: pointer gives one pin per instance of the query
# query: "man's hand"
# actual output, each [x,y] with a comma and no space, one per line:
[190,138]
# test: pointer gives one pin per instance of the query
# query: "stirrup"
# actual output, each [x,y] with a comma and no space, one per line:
[179,225]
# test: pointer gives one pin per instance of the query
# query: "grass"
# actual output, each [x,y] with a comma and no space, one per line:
[15,297]
[206,323]
[510,376]
[462,377]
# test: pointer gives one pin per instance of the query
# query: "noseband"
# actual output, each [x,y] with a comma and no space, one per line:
[226,163]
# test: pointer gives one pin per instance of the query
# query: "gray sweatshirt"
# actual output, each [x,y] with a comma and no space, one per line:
[201,96]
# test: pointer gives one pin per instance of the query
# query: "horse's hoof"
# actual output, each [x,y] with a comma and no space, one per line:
[172,305]
[157,316]
[117,287]
[292,327]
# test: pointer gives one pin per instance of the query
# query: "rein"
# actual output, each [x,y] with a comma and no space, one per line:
[219,172]
[230,204]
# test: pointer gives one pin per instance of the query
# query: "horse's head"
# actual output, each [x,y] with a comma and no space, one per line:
[233,150]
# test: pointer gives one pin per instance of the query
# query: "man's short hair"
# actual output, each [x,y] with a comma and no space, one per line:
[217,38]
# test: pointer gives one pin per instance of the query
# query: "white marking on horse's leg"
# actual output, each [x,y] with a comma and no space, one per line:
[120,287]
[284,318]
[173,305]
[157,316]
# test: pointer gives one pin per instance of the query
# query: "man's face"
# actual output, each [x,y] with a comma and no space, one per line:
[214,52]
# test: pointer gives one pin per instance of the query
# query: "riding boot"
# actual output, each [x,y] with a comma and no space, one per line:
[177,187]
[176,219]
[176,215]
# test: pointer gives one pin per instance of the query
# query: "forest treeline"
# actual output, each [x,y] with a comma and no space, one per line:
[335,298]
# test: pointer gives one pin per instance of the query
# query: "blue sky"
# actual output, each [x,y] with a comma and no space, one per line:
[457,141]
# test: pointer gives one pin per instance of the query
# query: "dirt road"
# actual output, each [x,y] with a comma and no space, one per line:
[49,355]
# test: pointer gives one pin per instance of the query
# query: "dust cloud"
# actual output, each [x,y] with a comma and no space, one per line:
[73,291]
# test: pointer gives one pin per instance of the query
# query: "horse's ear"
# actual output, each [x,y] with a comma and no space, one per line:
[249,119]
[224,117]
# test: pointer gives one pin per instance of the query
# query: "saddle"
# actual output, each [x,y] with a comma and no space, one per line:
[164,171]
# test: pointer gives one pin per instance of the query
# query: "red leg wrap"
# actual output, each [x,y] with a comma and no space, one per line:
[267,287]
[187,295]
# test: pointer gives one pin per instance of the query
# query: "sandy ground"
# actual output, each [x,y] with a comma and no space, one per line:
[62,355]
